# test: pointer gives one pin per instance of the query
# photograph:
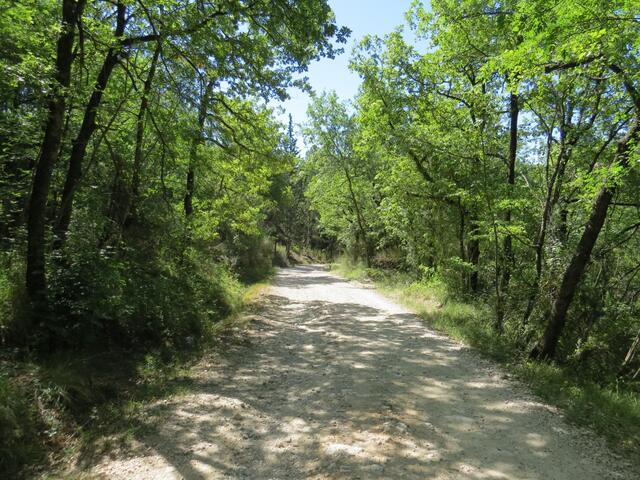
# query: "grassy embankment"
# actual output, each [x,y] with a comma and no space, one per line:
[56,407]
[612,414]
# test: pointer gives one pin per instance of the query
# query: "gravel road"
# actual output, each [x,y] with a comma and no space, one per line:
[334,381]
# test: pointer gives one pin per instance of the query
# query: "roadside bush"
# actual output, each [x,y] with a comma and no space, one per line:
[251,256]
[156,295]
[18,429]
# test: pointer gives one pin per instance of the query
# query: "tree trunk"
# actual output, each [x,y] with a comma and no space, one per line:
[140,124]
[117,208]
[461,243]
[631,353]
[473,255]
[546,349]
[193,154]
[359,218]
[563,228]
[88,126]
[35,272]
[188,196]
[502,281]
[553,194]
[511,180]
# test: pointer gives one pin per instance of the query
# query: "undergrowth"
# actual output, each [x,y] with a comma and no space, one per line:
[610,412]
[57,405]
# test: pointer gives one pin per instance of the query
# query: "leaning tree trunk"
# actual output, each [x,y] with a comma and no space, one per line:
[35,272]
[87,128]
[631,353]
[546,349]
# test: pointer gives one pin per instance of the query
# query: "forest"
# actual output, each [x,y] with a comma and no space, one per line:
[147,181]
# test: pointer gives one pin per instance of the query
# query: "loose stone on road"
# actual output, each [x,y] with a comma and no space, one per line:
[334,381]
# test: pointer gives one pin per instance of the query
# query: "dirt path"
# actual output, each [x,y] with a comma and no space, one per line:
[334,382]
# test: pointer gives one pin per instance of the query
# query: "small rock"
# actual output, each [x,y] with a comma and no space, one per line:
[341,448]
[376,468]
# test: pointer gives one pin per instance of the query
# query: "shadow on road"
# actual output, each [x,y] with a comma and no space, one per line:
[339,383]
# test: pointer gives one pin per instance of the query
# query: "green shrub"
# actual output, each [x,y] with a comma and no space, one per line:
[167,296]
[251,257]
[14,315]
[280,258]
[19,443]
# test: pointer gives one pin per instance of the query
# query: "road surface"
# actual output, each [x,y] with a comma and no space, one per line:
[334,381]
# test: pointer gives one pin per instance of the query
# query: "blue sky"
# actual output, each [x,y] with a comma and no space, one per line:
[363,17]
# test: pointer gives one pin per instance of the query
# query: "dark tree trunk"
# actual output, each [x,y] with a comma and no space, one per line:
[193,154]
[35,272]
[502,281]
[188,196]
[87,128]
[563,229]
[118,202]
[138,157]
[511,180]
[461,231]
[546,349]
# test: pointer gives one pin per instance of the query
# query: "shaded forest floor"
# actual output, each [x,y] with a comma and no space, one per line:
[333,380]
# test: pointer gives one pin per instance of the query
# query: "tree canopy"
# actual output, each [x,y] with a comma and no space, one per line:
[500,153]
[491,149]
